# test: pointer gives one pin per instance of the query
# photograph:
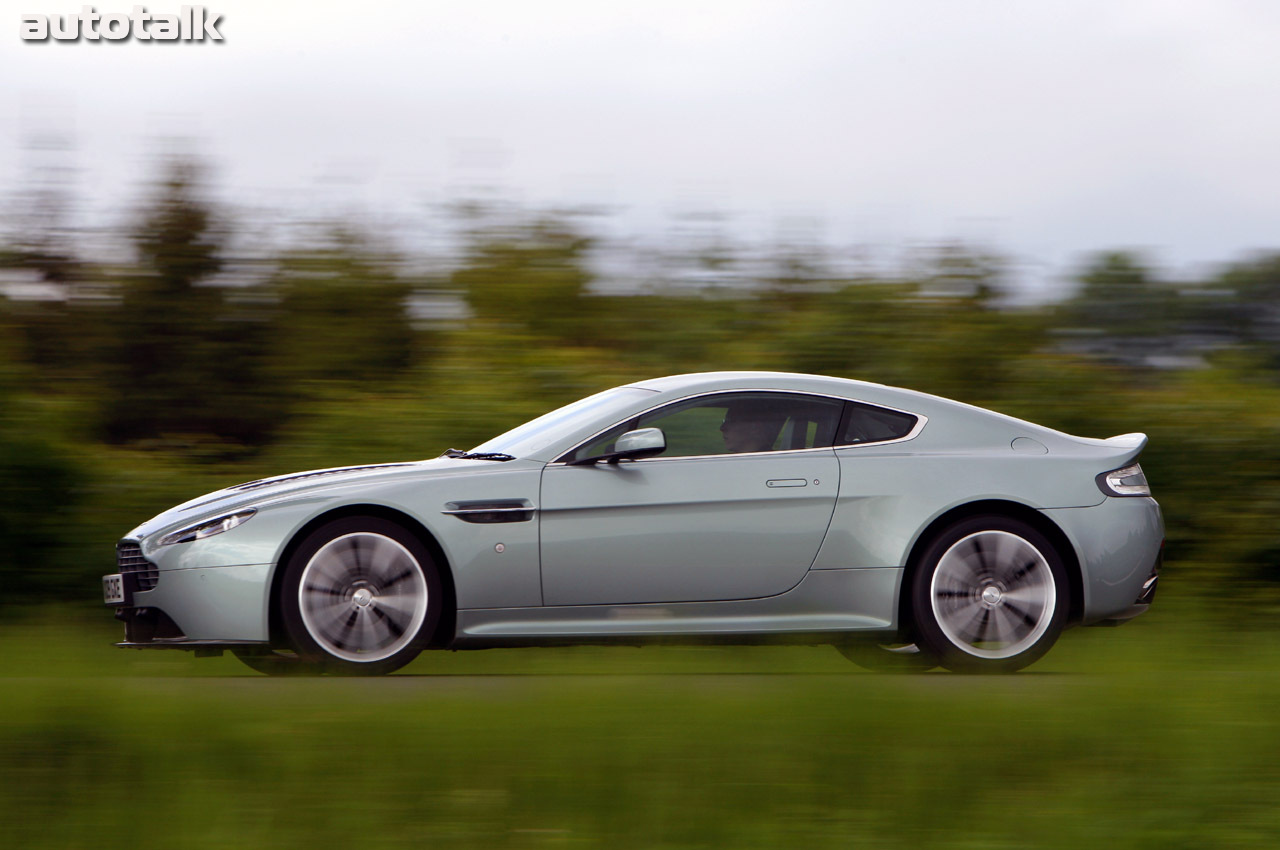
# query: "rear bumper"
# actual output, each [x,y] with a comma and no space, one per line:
[1145,598]
[1119,544]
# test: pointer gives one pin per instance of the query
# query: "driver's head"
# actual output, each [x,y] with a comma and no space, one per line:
[751,427]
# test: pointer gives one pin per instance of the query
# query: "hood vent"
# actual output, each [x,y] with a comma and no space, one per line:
[267,482]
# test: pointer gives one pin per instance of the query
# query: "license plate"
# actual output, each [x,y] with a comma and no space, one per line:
[113,589]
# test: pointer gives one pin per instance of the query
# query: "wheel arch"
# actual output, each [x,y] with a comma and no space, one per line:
[996,507]
[448,615]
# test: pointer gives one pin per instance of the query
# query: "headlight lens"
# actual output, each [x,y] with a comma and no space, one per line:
[208,528]
[1129,481]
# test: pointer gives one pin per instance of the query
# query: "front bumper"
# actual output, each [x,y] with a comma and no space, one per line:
[193,607]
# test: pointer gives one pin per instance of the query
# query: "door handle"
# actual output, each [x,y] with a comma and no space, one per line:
[787,482]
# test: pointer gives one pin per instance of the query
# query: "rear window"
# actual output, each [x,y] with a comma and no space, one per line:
[867,424]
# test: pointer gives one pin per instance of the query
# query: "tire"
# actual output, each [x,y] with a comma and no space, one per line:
[361,596]
[990,596]
[887,657]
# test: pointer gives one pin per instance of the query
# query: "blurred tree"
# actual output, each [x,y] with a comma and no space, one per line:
[341,315]
[530,275]
[186,359]
[53,335]
[39,486]
[1247,309]
[1118,303]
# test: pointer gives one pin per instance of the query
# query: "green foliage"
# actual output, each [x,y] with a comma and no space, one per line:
[340,316]
[39,487]
[529,276]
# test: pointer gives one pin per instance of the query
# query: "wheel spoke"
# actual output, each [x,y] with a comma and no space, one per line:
[395,579]
[344,631]
[330,624]
[403,607]
[384,558]
[388,623]
[964,626]
[981,636]
[356,565]
[980,550]
[1004,632]
[370,639]
[328,565]
[1022,615]
[1031,595]
[1022,572]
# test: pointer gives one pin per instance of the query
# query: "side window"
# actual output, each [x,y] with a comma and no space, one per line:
[733,423]
[867,424]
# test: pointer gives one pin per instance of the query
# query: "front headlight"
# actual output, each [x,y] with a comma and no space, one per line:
[208,528]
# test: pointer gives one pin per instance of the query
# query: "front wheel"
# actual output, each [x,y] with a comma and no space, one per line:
[990,596]
[360,596]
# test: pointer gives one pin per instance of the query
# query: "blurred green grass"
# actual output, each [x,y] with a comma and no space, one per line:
[1158,734]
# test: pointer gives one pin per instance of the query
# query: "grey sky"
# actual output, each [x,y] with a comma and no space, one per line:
[1042,128]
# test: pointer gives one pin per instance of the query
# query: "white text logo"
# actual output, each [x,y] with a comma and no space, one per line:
[192,23]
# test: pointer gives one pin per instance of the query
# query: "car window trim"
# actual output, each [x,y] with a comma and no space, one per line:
[921,419]
[847,414]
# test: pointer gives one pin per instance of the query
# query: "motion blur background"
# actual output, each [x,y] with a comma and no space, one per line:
[360,233]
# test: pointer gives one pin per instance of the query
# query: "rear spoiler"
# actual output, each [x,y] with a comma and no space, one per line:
[1136,441]
[1122,450]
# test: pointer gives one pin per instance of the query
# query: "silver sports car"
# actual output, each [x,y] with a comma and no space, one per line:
[907,530]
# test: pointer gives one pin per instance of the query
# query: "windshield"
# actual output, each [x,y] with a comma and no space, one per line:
[539,433]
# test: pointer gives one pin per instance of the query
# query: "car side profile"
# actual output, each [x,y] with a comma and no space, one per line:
[907,530]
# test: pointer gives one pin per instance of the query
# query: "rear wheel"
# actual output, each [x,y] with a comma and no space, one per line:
[360,596]
[990,595]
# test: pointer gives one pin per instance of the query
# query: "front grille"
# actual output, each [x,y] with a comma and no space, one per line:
[129,560]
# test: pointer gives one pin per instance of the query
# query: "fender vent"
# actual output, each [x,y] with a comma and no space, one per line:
[492,511]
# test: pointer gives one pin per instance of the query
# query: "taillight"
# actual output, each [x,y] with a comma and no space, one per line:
[1129,481]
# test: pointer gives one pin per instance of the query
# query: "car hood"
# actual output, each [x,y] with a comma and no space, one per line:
[274,489]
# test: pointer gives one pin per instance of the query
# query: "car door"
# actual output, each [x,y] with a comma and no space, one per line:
[707,519]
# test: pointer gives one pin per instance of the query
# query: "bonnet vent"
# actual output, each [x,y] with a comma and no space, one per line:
[267,482]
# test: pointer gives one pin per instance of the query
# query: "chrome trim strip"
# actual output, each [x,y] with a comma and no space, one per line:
[921,421]
[185,643]
[467,511]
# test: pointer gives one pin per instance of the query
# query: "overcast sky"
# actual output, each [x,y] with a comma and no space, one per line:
[1041,128]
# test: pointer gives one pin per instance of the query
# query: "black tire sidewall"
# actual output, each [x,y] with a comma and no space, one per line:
[308,649]
[929,633]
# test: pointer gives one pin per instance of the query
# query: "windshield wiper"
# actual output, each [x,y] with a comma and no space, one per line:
[461,455]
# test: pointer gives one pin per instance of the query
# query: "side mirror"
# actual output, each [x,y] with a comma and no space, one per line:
[642,442]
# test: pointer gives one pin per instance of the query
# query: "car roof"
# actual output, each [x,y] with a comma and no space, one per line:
[757,380]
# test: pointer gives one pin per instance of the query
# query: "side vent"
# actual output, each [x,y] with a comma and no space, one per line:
[491,510]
